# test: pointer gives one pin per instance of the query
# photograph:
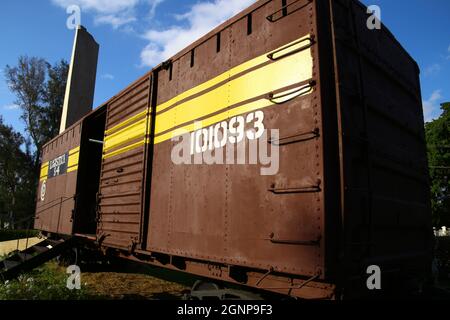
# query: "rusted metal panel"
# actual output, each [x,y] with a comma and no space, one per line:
[58,182]
[384,166]
[273,222]
[231,213]
[120,196]
[176,188]
[69,171]
[162,178]
[285,284]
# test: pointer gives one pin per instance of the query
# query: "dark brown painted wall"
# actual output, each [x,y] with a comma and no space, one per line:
[384,167]
[226,213]
[54,212]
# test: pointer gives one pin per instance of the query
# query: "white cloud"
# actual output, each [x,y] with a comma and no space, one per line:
[153,5]
[99,6]
[11,107]
[431,106]
[196,22]
[107,76]
[432,70]
[115,21]
[201,18]
[116,13]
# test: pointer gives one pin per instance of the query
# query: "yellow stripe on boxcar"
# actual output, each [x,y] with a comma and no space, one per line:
[44,171]
[128,131]
[210,101]
[74,155]
[292,69]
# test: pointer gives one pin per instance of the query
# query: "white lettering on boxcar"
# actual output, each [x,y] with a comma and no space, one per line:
[58,162]
[233,131]
[226,143]
[43,190]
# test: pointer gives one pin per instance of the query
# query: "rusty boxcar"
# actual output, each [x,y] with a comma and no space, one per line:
[350,189]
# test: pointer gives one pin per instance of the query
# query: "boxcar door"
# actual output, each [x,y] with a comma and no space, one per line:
[122,173]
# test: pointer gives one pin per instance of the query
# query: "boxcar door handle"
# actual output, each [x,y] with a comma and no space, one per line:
[303,136]
[291,49]
[290,94]
[314,242]
[297,189]
[305,189]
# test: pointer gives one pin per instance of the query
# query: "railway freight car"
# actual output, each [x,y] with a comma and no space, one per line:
[334,106]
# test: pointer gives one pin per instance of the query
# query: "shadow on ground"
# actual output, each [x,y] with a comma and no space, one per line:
[127,280]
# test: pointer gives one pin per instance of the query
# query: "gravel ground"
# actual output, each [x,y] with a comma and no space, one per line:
[113,285]
[129,280]
[121,280]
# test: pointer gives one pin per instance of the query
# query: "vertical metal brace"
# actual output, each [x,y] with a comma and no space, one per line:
[284,11]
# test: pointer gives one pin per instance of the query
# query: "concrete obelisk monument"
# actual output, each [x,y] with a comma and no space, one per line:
[80,87]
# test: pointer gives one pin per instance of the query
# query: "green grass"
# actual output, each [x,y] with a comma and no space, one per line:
[98,282]
[45,283]
[6,234]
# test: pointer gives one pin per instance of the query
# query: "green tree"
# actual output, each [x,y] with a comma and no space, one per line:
[16,179]
[54,98]
[438,145]
[39,88]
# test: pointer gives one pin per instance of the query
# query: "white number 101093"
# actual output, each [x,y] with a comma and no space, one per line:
[217,136]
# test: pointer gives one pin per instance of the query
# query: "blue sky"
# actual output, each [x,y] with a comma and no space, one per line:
[136,34]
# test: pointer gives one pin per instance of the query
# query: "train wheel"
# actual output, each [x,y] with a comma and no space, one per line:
[204,290]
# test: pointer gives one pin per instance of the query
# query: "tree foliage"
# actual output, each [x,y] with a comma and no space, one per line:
[54,98]
[17,181]
[438,142]
[39,88]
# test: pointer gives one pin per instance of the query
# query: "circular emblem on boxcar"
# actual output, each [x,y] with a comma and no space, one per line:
[43,189]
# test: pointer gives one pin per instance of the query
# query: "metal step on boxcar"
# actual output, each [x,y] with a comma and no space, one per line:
[32,257]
